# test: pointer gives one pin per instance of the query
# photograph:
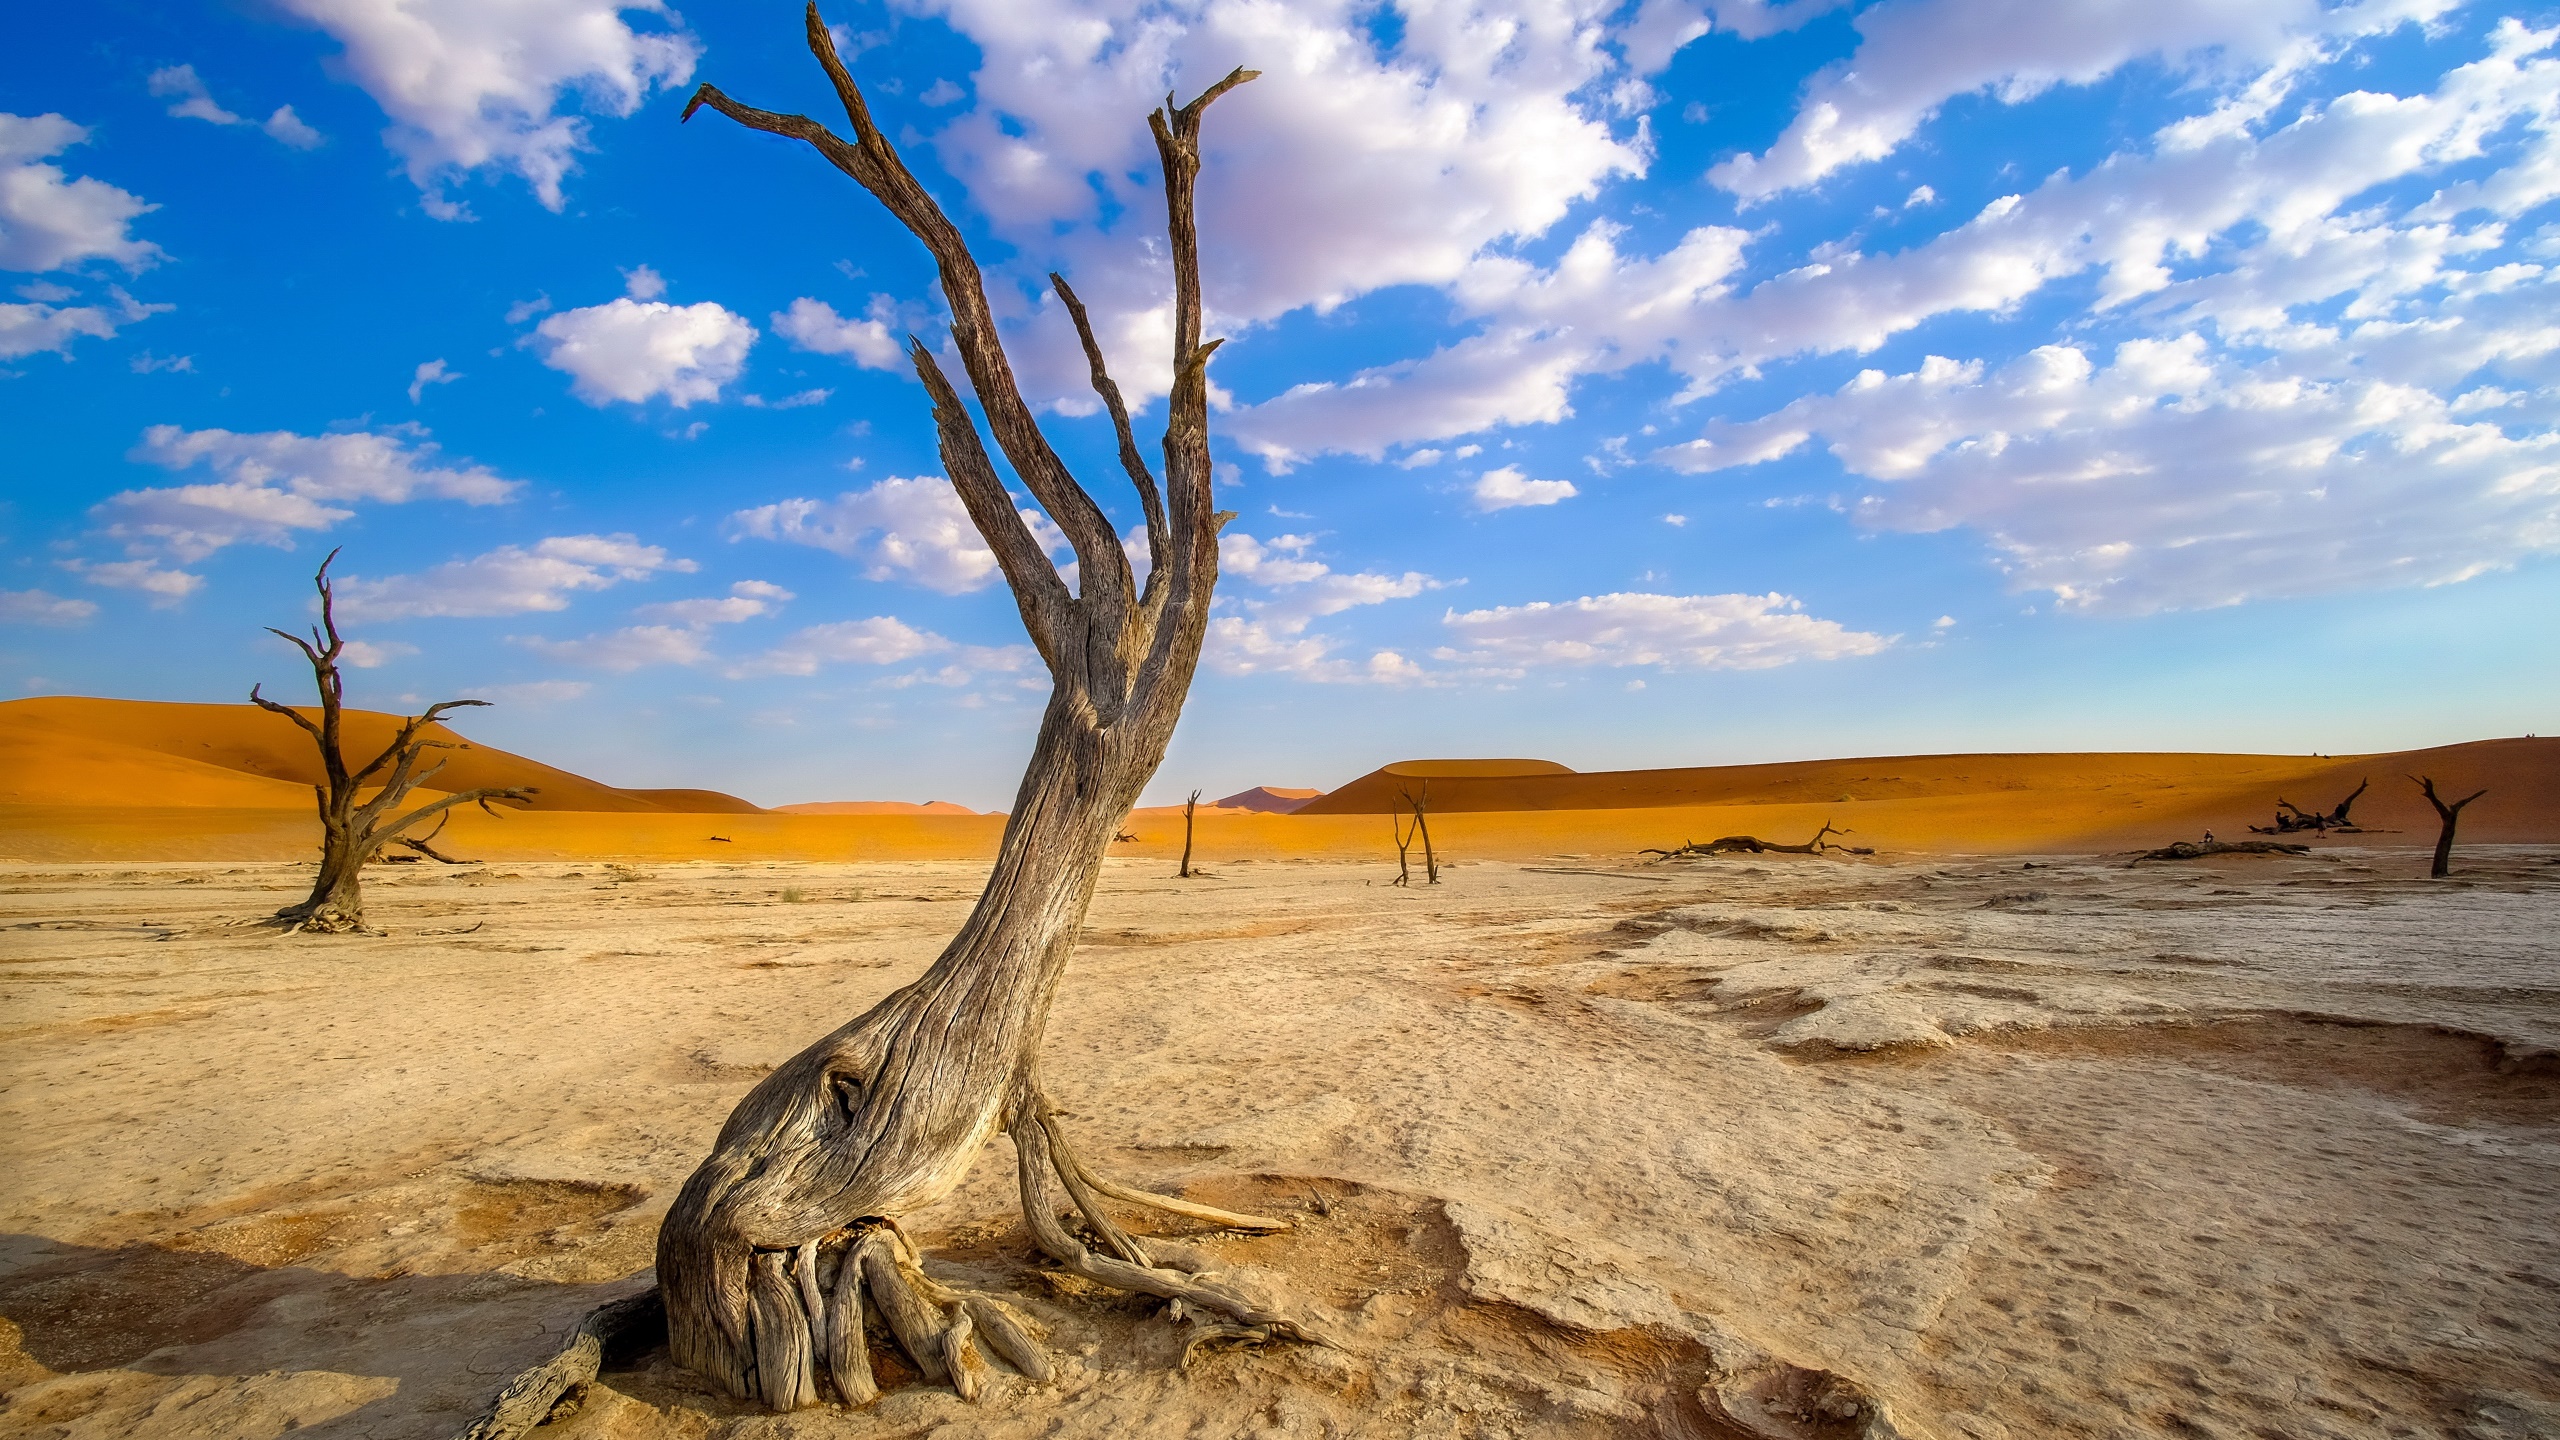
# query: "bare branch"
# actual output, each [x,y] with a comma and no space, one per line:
[874,164]
[1037,590]
[287,711]
[1149,498]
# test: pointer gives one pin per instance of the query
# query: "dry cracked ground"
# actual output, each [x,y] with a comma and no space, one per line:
[1778,1147]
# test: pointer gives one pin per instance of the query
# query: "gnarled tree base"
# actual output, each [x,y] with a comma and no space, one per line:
[812,1309]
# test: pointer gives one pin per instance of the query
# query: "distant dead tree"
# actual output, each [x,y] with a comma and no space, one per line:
[1187,807]
[353,828]
[1404,847]
[2451,815]
[1754,845]
[2291,818]
[787,1233]
[1421,805]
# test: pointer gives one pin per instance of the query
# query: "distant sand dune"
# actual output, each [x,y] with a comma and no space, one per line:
[873,807]
[73,751]
[89,780]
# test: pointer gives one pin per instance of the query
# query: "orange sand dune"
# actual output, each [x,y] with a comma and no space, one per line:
[2524,772]
[1269,800]
[83,784]
[873,807]
[72,751]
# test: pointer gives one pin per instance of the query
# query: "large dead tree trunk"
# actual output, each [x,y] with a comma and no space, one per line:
[353,827]
[2451,815]
[773,1243]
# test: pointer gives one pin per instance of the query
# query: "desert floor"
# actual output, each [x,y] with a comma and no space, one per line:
[1775,1146]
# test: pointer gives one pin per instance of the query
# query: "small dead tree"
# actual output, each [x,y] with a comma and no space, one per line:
[2206,849]
[352,827]
[1421,805]
[2451,815]
[1404,847]
[1187,807]
[787,1232]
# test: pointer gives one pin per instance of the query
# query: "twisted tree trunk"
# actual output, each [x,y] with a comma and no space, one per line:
[766,1258]
[352,827]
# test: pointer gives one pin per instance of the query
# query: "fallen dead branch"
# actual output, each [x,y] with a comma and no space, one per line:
[1754,845]
[2201,849]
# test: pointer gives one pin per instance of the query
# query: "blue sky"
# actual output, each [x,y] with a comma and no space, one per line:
[1678,382]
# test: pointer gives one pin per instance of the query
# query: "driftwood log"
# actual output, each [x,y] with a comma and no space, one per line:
[2450,815]
[354,828]
[776,1243]
[2201,849]
[1754,845]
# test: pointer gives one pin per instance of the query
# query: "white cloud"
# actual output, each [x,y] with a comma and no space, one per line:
[2176,478]
[48,222]
[814,325]
[881,640]
[374,654]
[180,83]
[28,329]
[1270,635]
[473,86]
[1714,632]
[1914,55]
[745,601]
[642,283]
[1506,488]
[2271,209]
[510,580]
[432,372]
[627,649]
[288,128]
[275,483]
[38,607]
[165,587]
[634,350]
[900,528]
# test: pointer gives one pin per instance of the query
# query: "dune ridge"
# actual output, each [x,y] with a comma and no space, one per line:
[65,750]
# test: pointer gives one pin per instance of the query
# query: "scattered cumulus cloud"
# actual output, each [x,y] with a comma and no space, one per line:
[638,349]
[165,586]
[39,607]
[1506,488]
[1706,632]
[41,327]
[476,88]
[510,580]
[269,485]
[50,221]
[1268,631]
[432,372]
[814,325]
[190,100]
[899,528]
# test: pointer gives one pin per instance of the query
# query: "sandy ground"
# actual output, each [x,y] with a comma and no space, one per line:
[1776,1146]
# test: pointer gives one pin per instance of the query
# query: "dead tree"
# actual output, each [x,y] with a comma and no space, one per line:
[1421,805]
[353,828]
[768,1254]
[2451,815]
[1404,847]
[2291,818]
[1754,845]
[1187,807]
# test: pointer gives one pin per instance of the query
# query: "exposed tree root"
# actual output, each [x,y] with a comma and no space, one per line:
[2291,818]
[1754,845]
[809,1307]
[532,1396]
